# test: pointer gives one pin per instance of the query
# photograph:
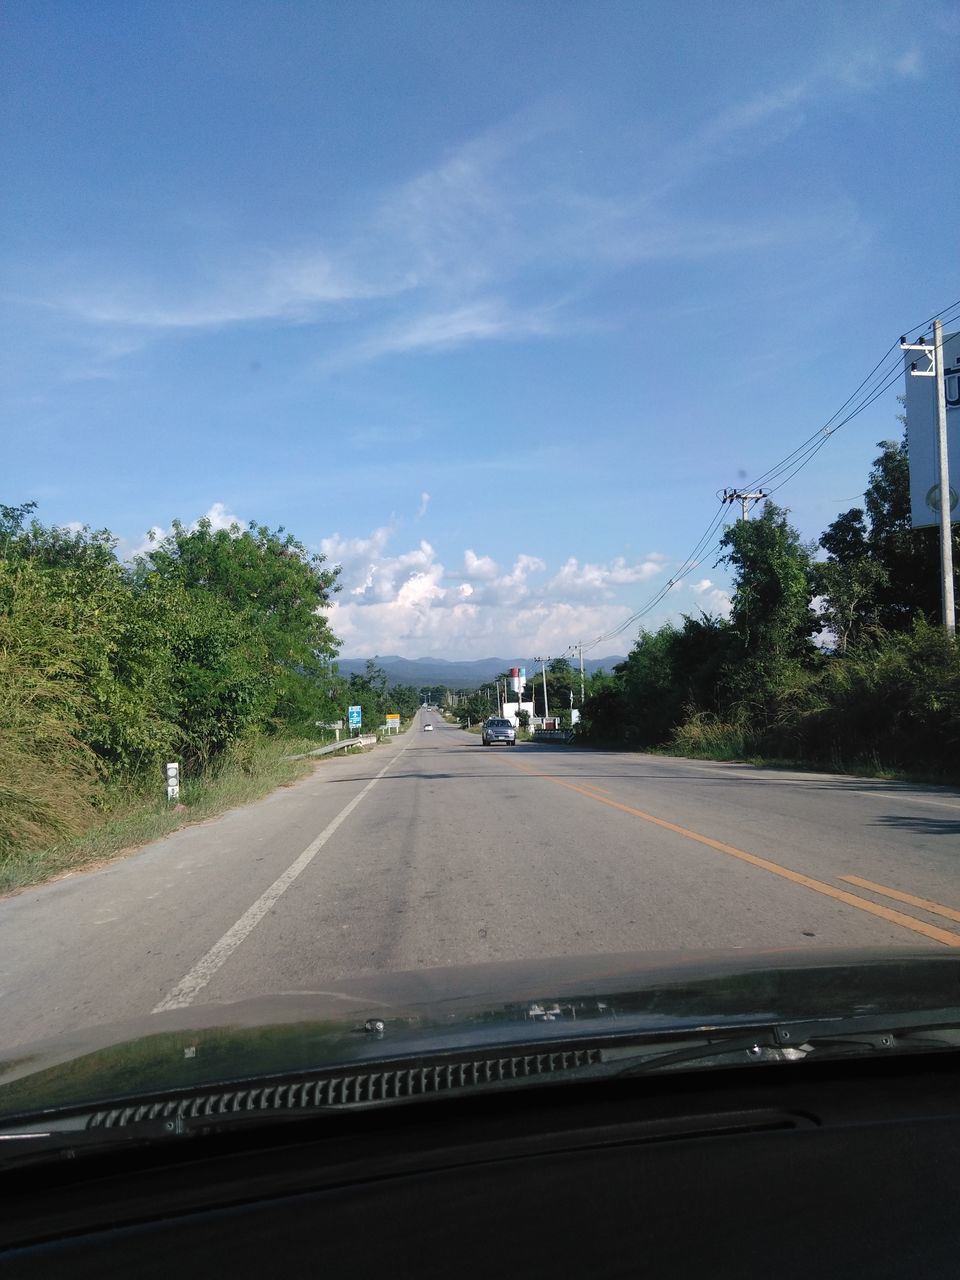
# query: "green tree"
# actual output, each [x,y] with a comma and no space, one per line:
[905,580]
[849,592]
[403,699]
[773,570]
[277,590]
[771,619]
[474,708]
[667,673]
[267,576]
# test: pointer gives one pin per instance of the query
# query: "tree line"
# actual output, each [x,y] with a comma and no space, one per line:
[209,640]
[833,652]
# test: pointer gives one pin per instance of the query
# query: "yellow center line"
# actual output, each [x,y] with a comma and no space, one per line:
[935,908]
[808,882]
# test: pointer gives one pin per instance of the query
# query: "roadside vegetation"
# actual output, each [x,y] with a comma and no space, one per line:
[832,654]
[128,818]
[211,649]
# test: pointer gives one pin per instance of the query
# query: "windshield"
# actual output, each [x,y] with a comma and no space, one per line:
[568,380]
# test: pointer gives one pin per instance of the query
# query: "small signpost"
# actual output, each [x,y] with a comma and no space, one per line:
[354,717]
[393,721]
[173,781]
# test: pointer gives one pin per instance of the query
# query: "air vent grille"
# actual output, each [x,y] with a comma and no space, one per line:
[351,1088]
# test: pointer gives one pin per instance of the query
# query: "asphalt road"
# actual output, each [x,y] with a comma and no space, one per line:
[432,850]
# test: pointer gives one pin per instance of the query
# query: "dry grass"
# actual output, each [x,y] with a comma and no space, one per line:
[48,779]
[132,819]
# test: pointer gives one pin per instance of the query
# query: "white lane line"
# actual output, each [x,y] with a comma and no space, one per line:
[189,987]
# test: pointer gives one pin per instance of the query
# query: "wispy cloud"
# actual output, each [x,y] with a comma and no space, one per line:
[482,321]
[375,437]
[860,71]
[267,287]
[490,244]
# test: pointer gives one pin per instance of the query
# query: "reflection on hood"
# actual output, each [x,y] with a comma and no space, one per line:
[409,1015]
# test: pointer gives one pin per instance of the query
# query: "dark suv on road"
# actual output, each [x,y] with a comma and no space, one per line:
[497,730]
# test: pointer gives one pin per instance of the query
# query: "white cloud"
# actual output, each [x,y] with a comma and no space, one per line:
[420,589]
[483,567]
[719,602]
[424,503]
[599,579]
[218,515]
[712,599]
[514,587]
[221,518]
[357,557]
[408,602]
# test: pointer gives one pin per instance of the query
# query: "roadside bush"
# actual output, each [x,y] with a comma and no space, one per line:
[895,701]
[703,734]
[49,784]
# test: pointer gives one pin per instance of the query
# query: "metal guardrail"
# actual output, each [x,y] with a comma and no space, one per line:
[553,735]
[364,740]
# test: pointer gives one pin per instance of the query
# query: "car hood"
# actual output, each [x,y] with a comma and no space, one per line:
[399,1016]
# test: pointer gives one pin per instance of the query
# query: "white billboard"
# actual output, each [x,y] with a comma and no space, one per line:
[922,434]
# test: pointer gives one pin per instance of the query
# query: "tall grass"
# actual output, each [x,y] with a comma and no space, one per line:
[705,736]
[129,817]
[49,785]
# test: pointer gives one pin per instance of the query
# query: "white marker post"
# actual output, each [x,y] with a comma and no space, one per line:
[173,781]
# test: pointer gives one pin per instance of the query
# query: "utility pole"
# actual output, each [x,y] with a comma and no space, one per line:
[935,371]
[582,698]
[737,495]
[543,669]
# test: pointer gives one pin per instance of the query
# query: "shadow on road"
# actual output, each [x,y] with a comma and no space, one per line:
[922,825]
[666,771]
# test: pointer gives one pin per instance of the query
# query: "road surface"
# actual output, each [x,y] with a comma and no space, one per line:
[433,850]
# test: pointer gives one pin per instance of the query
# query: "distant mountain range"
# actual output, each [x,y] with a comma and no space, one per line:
[456,675]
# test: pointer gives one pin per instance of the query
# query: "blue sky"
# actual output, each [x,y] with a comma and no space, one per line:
[484,301]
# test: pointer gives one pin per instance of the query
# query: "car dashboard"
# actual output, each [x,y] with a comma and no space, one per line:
[841,1167]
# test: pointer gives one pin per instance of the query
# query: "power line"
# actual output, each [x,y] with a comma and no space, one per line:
[877,381]
[815,448]
[886,378]
[831,425]
[938,315]
[693,560]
